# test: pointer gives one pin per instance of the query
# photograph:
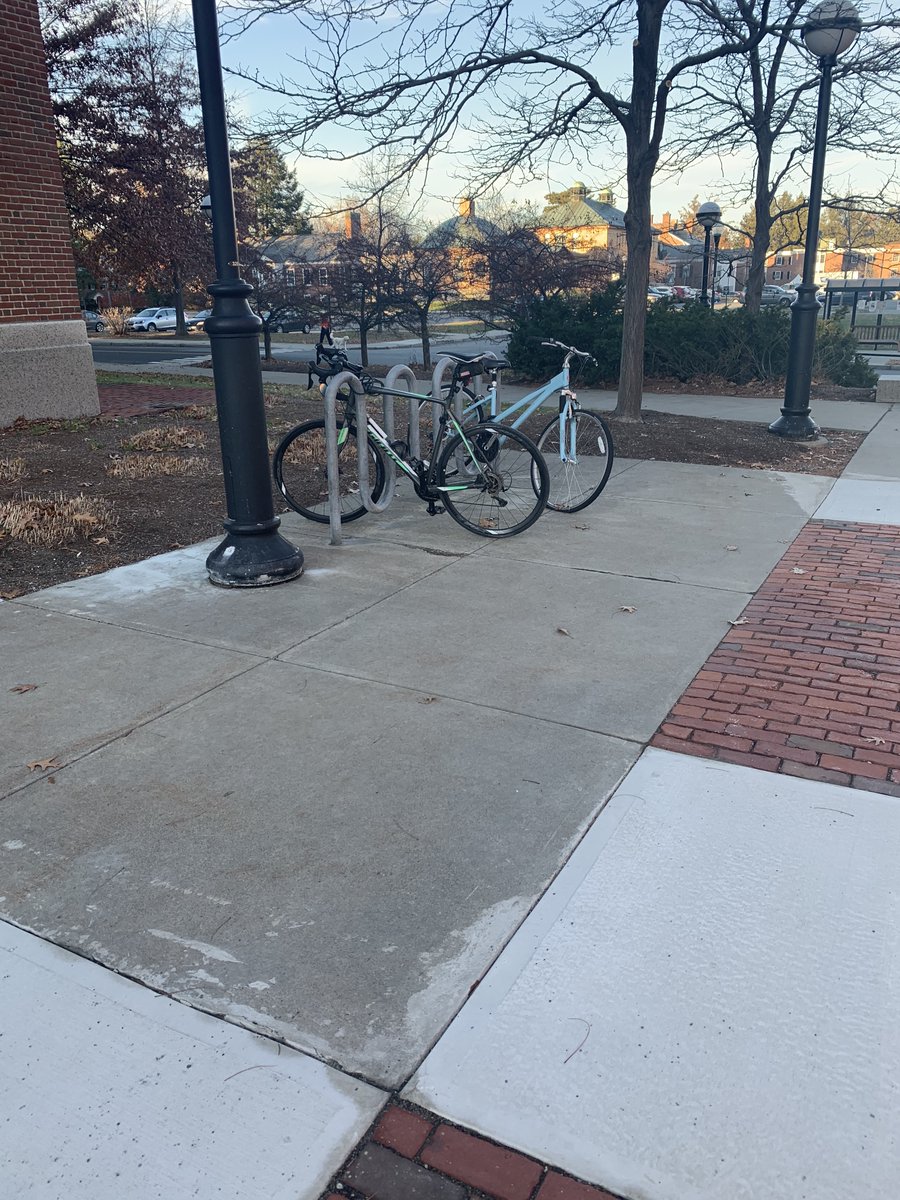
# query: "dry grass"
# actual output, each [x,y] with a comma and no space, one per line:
[137,466]
[172,437]
[55,519]
[198,412]
[12,469]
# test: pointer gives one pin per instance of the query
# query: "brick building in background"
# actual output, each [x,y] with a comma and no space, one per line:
[46,368]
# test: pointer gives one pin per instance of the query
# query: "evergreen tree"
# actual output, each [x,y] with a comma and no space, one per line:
[268,199]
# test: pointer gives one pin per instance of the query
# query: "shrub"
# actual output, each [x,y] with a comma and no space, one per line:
[838,358]
[682,342]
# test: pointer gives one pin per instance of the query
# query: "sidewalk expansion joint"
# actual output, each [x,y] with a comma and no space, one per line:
[120,735]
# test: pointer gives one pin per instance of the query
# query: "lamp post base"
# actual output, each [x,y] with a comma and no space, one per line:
[259,559]
[794,424]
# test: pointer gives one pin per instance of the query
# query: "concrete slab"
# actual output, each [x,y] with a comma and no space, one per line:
[704,1003]
[878,456]
[784,493]
[729,546]
[866,500]
[115,1091]
[94,684]
[171,593]
[487,631]
[252,856]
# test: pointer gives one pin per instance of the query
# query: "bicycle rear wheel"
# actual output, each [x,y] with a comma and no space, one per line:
[302,477]
[576,483]
[497,488]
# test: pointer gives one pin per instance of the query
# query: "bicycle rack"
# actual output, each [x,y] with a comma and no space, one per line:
[331,447]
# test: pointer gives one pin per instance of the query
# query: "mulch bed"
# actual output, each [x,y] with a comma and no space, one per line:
[163,512]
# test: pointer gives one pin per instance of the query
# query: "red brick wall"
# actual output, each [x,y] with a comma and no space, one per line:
[37,271]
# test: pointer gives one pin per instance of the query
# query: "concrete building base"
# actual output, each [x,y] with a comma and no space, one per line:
[46,370]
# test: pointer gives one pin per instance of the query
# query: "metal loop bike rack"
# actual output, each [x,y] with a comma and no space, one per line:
[403,374]
[332,465]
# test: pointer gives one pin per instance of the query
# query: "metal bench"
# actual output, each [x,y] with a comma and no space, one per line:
[873,336]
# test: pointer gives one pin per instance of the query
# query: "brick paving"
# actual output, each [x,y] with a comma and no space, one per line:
[808,680]
[139,399]
[413,1155]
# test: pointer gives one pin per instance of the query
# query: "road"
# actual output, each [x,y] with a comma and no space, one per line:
[146,352]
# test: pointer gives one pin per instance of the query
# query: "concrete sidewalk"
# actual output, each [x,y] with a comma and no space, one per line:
[320,811]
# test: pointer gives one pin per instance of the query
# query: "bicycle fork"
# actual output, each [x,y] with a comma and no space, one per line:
[567,426]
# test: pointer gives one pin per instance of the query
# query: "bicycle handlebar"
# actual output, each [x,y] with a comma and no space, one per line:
[570,350]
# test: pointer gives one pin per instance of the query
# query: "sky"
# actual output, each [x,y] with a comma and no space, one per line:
[272,47]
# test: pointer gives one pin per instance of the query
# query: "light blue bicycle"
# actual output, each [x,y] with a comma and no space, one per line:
[576,443]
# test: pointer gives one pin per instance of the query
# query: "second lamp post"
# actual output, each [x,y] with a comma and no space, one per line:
[708,215]
[831,29]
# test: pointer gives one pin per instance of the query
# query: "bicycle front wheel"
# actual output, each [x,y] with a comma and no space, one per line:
[497,485]
[302,478]
[576,480]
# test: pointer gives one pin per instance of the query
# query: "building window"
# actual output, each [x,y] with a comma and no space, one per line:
[307,275]
[779,261]
[290,277]
[323,276]
[776,274]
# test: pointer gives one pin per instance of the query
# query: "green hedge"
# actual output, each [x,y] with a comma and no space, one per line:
[681,343]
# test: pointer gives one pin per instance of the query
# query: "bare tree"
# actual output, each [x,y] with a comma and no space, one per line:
[529,85]
[427,273]
[766,98]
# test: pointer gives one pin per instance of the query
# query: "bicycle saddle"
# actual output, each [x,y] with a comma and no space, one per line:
[481,363]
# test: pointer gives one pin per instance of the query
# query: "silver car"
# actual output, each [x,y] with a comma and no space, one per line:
[773,294]
[149,320]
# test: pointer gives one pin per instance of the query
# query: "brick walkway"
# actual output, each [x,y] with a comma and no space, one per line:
[807,681]
[138,399]
[411,1155]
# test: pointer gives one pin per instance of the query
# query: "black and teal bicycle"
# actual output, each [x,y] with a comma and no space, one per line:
[490,478]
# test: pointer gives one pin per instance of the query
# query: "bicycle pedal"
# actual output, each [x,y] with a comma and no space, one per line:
[435,510]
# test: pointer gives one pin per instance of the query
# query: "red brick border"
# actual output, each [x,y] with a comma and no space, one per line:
[413,1155]
[808,681]
[140,399]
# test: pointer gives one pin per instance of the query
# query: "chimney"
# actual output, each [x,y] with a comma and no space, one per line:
[467,207]
[666,222]
[353,225]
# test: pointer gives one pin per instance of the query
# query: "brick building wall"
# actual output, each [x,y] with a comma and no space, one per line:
[45,362]
[37,272]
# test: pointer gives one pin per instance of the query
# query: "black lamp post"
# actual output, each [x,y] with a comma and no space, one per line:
[708,214]
[253,552]
[717,230]
[831,28]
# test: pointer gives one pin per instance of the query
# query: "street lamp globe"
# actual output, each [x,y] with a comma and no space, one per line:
[831,28]
[709,214]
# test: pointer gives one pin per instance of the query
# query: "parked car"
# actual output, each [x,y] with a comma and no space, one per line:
[682,292]
[149,320]
[93,320]
[773,294]
[659,291]
[195,320]
[292,321]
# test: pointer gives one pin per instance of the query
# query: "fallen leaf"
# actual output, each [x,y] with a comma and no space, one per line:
[44,764]
[875,741]
[629,608]
[22,688]
[581,527]
[428,700]
[731,547]
[739,621]
[47,471]
[100,541]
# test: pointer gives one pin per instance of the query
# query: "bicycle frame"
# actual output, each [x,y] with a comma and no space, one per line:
[532,402]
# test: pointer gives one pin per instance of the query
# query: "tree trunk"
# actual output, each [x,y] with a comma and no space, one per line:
[364,343]
[426,343]
[762,229]
[639,244]
[180,323]
[267,340]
